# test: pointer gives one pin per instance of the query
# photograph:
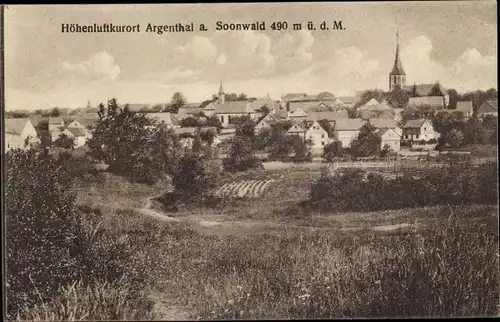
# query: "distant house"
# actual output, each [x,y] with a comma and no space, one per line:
[259,104]
[373,109]
[188,111]
[265,122]
[297,130]
[55,122]
[317,136]
[79,136]
[347,130]
[417,130]
[389,137]
[227,110]
[298,115]
[464,108]
[18,132]
[382,124]
[489,107]
[433,95]
[165,118]
[329,116]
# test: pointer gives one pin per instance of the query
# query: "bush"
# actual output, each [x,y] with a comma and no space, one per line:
[359,191]
[241,156]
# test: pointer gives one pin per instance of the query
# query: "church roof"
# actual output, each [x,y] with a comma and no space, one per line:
[425,89]
[398,67]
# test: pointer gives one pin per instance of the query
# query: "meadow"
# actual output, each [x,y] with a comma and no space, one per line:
[264,257]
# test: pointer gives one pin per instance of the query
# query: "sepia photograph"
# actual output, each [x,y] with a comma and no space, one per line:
[247,161]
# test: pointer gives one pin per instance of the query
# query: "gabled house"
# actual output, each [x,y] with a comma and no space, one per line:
[19,134]
[489,107]
[318,137]
[167,119]
[55,122]
[433,95]
[417,130]
[265,122]
[329,116]
[79,136]
[347,130]
[296,129]
[227,110]
[297,115]
[382,124]
[390,138]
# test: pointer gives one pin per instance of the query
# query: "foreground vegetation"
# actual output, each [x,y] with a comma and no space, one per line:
[80,247]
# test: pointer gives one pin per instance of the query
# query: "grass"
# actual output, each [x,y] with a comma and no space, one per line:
[446,265]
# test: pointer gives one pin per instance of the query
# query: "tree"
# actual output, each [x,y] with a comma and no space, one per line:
[242,97]
[367,143]
[454,98]
[190,122]
[178,100]
[453,139]
[367,95]
[490,124]
[332,150]
[64,142]
[398,97]
[215,122]
[125,140]
[195,177]
[241,156]
[265,110]
[474,132]
[40,217]
[55,112]
[327,126]
[245,127]
[231,97]
[157,108]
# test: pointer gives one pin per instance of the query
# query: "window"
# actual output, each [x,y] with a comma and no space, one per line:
[425,129]
[310,137]
[222,118]
[322,142]
[417,136]
[406,136]
[322,136]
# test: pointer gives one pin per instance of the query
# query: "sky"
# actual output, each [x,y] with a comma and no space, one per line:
[450,42]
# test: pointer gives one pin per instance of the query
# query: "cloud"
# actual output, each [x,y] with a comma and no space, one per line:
[99,66]
[470,70]
[293,52]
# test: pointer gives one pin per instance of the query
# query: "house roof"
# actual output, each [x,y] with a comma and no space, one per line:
[165,117]
[87,122]
[347,99]
[76,131]
[269,119]
[376,107]
[189,110]
[489,106]
[258,104]
[465,106]
[15,126]
[315,123]
[55,120]
[307,105]
[433,101]
[281,113]
[328,115]
[296,129]
[382,123]
[347,124]
[382,131]
[234,107]
[424,89]
[414,124]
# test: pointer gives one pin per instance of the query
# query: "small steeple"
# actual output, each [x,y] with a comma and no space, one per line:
[398,67]
[222,96]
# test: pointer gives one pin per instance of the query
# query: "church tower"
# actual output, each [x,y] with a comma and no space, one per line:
[397,77]
[221,94]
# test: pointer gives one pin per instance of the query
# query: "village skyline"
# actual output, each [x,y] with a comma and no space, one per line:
[42,73]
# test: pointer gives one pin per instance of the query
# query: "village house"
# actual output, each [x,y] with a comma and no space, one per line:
[489,107]
[317,136]
[464,108]
[329,116]
[433,95]
[167,119]
[226,111]
[79,136]
[265,122]
[389,137]
[296,129]
[55,122]
[374,109]
[418,130]
[347,130]
[298,115]
[382,124]
[18,132]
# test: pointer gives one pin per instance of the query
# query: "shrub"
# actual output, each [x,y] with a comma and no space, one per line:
[359,191]
[241,156]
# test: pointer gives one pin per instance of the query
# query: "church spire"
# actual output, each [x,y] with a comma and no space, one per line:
[222,96]
[397,77]
[398,67]
[221,89]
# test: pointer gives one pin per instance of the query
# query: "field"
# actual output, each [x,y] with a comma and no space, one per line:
[260,257]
